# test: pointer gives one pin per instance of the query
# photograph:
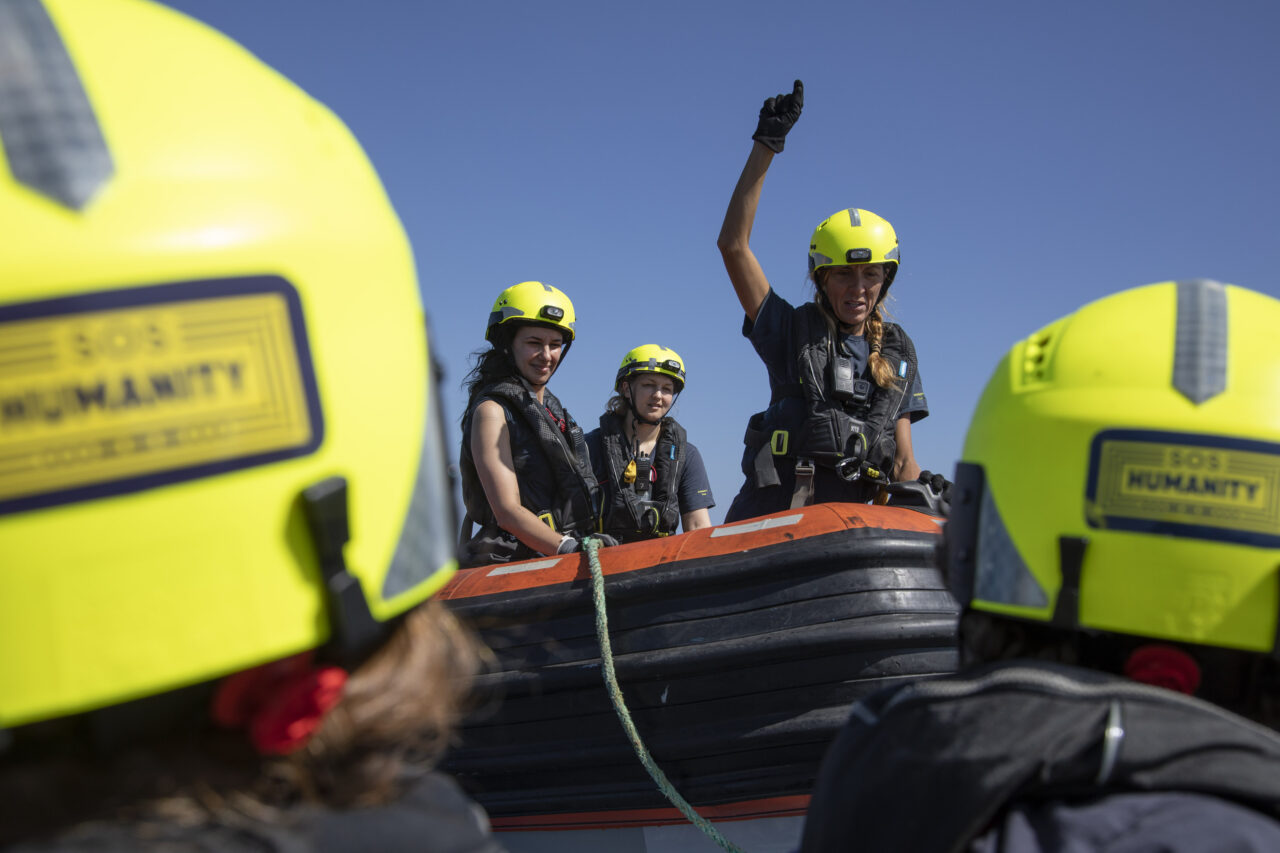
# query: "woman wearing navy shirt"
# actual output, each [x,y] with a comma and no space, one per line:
[844,387]
[652,478]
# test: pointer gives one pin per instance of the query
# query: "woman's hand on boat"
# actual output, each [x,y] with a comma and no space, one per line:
[940,487]
[569,544]
[929,491]
[778,115]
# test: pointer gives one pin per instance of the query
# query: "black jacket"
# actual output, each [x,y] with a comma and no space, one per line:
[937,765]
[433,816]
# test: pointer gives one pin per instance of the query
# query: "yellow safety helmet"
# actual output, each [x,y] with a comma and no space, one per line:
[210,326]
[532,302]
[651,358]
[855,236]
[1122,471]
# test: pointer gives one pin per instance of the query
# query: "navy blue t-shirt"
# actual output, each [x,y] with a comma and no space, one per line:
[771,337]
[695,489]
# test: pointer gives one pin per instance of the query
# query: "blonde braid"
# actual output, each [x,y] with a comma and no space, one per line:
[881,371]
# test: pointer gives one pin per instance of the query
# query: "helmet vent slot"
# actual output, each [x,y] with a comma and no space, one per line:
[1035,358]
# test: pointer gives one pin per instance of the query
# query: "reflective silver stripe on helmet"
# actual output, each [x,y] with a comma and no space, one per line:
[855,217]
[892,254]
[52,140]
[429,528]
[1001,575]
[1200,349]
[504,314]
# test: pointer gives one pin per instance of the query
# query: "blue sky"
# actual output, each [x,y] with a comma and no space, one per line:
[1032,156]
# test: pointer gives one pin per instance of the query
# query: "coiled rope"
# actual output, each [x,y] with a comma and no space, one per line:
[668,790]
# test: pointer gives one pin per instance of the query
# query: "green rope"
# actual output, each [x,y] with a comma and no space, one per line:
[592,546]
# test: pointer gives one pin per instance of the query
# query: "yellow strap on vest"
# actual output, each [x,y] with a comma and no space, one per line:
[779,441]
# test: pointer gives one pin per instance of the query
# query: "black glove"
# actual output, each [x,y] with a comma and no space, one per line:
[777,116]
[939,484]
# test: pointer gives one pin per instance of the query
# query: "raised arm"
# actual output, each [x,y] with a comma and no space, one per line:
[777,117]
[740,262]
[491,449]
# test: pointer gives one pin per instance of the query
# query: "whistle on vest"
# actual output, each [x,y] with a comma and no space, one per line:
[629,473]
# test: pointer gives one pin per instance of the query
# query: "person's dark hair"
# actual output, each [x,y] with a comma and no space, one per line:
[397,714]
[491,365]
[1246,683]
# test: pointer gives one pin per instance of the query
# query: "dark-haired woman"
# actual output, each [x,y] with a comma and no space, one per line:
[526,476]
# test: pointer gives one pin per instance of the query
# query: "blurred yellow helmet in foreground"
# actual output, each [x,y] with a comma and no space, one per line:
[207,309]
[1122,471]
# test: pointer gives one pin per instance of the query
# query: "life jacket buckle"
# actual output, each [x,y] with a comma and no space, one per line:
[779,442]
[849,469]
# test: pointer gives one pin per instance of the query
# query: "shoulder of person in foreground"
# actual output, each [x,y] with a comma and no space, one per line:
[1170,822]
[433,816]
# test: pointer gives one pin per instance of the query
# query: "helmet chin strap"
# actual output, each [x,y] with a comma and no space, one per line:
[822,295]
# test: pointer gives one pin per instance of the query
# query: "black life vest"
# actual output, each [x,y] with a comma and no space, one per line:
[552,467]
[1022,731]
[825,413]
[642,509]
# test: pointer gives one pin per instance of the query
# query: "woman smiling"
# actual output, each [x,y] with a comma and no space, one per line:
[526,478]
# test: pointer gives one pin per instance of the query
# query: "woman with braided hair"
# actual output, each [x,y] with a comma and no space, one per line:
[844,388]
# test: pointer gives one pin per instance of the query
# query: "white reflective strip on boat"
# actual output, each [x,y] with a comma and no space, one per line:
[522,567]
[753,526]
